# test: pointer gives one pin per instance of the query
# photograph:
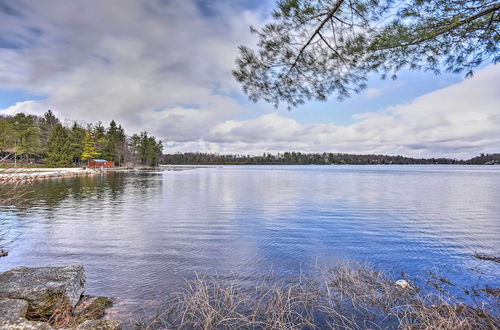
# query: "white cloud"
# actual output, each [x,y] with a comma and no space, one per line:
[125,60]
[372,93]
[457,121]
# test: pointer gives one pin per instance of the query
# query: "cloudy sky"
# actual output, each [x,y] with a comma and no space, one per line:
[164,66]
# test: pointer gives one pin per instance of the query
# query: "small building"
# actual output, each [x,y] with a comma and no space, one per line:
[102,163]
[12,150]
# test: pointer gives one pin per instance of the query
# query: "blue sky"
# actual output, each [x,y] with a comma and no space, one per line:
[10,97]
[165,66]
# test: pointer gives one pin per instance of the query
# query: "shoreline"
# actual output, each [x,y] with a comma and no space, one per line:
[29,174]
[19,174]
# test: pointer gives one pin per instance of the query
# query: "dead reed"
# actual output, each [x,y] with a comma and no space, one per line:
[348,296]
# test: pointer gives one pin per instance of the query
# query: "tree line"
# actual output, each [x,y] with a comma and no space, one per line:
[298,158]
[30,138]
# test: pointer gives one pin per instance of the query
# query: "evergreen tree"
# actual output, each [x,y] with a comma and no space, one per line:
[157,151]
[27,134]
[77,136]
[46,124]
[110,150]
[89,147]
[100,137]
[59,147]
[122,144]
[7,134]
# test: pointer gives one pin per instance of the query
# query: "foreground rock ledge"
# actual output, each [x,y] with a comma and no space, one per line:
[40,293]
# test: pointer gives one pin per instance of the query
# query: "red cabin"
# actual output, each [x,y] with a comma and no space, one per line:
[100,163]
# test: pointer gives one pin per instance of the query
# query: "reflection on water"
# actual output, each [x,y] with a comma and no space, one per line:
[140,235]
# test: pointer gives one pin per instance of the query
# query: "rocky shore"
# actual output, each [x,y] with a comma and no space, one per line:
[29,174]
[49,298]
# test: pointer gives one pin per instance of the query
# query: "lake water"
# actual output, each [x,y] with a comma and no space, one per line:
[140,235]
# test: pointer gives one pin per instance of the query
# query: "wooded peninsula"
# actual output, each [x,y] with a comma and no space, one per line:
[30,139]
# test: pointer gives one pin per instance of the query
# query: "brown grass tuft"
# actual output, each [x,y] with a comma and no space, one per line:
[348,296]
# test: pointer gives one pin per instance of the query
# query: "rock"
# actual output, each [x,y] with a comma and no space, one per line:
[403,284]
[92,308]
[13,308]
[100,325]
[23,324]
[45,288]
[13,313]
[45,292]
[3,253]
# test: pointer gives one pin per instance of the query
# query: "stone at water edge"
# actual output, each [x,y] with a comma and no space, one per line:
[23,324]
[45,288]
[13,308]
[13,316]
[402,284]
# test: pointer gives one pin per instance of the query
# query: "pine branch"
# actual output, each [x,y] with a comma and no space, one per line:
[316,32]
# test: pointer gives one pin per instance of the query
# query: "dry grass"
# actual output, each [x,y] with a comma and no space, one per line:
[349,296]
[66,316]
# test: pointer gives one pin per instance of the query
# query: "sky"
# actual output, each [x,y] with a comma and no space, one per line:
[164,66]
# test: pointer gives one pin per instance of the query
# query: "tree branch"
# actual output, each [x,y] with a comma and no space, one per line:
[318,29]
[482,13]
[333,50]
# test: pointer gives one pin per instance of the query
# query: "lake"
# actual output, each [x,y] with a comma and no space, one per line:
[140,235]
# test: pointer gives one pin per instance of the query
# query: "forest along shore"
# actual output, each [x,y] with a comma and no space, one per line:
[21,174]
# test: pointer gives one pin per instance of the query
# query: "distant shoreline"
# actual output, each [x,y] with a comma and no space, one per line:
[281,164]
[299,158]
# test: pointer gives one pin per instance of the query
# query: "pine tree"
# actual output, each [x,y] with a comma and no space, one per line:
[77,136]
[89,147]
[7,135]
[46,125]
[110,150]
[27,134]
[59,147]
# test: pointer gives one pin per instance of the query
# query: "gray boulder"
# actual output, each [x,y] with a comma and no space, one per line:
[23,324]
[44,288]
[13,308]
[13,313]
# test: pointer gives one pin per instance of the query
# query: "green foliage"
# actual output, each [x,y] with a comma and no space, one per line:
[89,147]
[59,147]
[114,141]
[7,134]
[299,158]
[315,48]
[46,138]
[27,134]
[46,124]
[147,148]
[77,136]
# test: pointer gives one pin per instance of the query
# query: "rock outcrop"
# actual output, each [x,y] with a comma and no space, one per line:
[45,288]
[28,295]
